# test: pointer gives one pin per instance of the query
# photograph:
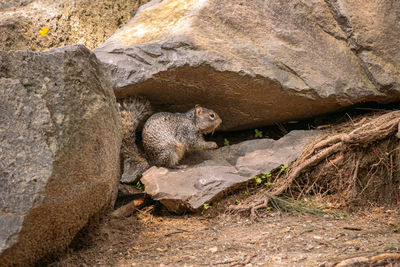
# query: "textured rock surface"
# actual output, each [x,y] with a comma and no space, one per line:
[60,135]
[221,170]
[372,30]
[70,22]
[258,62]
[15,3]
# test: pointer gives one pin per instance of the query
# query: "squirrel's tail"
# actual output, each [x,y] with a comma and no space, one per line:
[134,112]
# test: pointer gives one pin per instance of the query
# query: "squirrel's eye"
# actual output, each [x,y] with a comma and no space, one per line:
[212,116]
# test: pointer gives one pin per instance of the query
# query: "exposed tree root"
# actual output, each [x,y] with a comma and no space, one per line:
[376,129]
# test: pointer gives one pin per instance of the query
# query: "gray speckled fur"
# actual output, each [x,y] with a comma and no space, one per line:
[167,136]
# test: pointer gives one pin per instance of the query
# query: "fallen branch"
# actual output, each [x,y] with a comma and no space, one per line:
[128,209]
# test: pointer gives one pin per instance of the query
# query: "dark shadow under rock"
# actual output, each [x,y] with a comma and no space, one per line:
[218,171]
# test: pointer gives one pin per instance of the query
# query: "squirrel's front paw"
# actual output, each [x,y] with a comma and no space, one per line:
[212,145]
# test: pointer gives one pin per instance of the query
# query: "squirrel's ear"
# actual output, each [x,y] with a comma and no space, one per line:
[199,109]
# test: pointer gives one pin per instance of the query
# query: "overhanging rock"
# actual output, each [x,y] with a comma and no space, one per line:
[257,62]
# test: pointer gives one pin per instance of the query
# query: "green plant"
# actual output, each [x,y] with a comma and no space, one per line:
[206,206]
[258,133]
[257,179]
[266,175]
[226,142]
[139,185]
[237,202]
[284,167]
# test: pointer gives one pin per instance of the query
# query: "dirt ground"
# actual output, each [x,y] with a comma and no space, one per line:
[154,237]
[216,239]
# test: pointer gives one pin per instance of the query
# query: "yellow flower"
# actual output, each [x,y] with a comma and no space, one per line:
[43,31]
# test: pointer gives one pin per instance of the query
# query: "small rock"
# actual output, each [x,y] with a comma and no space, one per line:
[390,223]
[309,247]
[213,249]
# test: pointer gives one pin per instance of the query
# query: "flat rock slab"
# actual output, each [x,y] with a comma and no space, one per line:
[258,62]
[60,138]
[217,171]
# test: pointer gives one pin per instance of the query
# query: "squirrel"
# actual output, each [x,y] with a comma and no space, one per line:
[166,137]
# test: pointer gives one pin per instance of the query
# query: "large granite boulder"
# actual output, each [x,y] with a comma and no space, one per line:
[215,172]
[69,21]
[258,62]
[60,137]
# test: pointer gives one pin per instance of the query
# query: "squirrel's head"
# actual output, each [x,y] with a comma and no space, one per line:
[206,119]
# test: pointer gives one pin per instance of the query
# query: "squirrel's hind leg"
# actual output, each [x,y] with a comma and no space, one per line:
[176,155]
[170,156]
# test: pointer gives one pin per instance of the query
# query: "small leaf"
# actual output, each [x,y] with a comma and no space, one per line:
[258,133]
[43,31]
[237,202]
[206,206]
[226,142]
[139,185]
[284,167]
